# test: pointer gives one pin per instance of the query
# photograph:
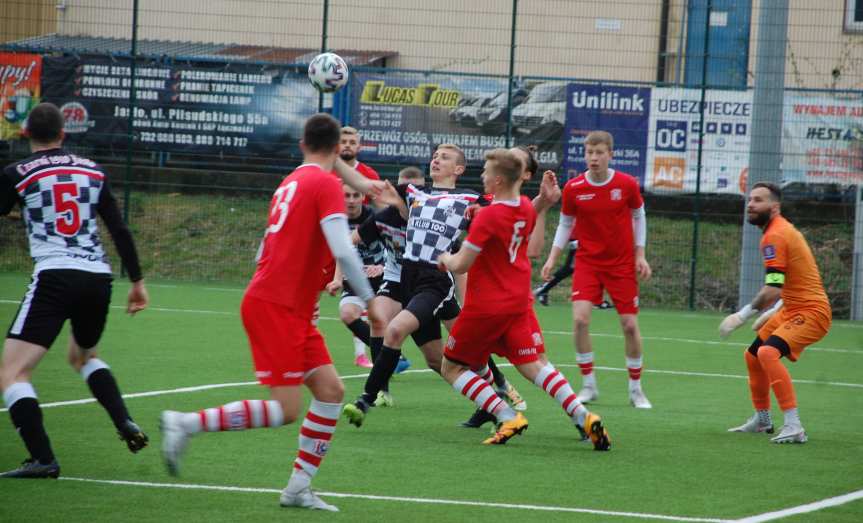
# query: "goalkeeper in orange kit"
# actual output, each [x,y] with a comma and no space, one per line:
[802,318]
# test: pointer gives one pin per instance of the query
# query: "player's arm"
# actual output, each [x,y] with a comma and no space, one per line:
[766,315]
[561,238]
[337,233]
[110,212]
[352,177]
[549,194]
[460,262]
[335,286]
[8,196]
[639,229]
[768,295]
[392,197]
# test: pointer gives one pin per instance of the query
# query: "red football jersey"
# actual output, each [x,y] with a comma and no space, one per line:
[603,218]
[369,173]
[295,253]
[499,280]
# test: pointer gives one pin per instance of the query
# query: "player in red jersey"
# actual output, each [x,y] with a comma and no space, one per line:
[607,211]
[497,316]
[307,228]
[350,148]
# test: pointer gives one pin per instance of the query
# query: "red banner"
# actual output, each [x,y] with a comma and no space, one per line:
[20,78]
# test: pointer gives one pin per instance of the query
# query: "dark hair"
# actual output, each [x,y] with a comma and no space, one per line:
[775,191]
[321,133]
[532,165]
[45,123]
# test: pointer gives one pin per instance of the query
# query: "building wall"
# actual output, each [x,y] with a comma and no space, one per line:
[615,40]
[25,18]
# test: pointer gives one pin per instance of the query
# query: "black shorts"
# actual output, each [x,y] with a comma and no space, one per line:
[425,289]
[349,296]
[427,331]
[57,295]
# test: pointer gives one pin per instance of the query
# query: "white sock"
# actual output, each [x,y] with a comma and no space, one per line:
[359,347]
[585,364]
[633,366]
[792,417]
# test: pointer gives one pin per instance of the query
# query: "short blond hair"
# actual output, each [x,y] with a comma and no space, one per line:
[350,130]
[506,164]
[456,149]
[598,137]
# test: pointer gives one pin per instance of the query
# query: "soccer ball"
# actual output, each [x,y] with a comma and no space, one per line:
[328,72]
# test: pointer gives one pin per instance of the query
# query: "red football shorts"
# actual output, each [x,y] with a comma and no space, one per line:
[588,282]
[284,346]
[475,337]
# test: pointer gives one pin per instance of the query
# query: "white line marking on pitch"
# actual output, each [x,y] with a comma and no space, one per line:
[432,501]
[562,333]
[804,509]
[699,342]
[418,371]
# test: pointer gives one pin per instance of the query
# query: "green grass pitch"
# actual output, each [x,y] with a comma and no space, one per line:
[674,462]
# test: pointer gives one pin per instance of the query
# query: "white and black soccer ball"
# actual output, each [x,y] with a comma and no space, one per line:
[328,72]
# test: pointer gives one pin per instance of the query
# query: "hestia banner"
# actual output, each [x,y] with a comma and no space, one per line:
[672,161]
[822,140]
[623,111]
[192,107]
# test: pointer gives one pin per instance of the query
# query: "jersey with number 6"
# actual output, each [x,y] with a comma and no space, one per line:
[498,282]
[294,252]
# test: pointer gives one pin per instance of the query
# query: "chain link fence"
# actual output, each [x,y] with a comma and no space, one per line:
[195,110]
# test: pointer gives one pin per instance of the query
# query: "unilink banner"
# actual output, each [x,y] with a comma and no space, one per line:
[623,111]
[402,117]
[194,107]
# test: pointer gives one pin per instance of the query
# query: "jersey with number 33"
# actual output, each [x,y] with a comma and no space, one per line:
[294,253]
[499,280]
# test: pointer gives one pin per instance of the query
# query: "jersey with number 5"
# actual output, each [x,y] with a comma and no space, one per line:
[498,282]
[60,195]
[294,253]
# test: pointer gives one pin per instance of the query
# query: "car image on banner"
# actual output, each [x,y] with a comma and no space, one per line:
[545,105]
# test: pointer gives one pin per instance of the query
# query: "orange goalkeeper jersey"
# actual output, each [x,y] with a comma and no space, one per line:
[789,262]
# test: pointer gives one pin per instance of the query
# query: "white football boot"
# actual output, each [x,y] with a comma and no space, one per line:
[174,439]
[638,399]
[753,425]
[587,394]
[790,433]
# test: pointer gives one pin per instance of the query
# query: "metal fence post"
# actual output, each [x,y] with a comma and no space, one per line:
[130,133]
[696,204]
[857,263]
[326,20]
[510,78]
[765,153]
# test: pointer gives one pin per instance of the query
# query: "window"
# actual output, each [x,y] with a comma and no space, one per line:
[854,16]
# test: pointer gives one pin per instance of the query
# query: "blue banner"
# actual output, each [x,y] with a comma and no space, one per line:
[622,111]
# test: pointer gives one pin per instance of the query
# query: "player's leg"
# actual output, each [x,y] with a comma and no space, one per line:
[468,347]
[759,390]
[316,432]
[383,308]
[581,312]
[34,328]
[277,339]
[88,322]
[19,360]
[351,311]
[622,286]
[545,376]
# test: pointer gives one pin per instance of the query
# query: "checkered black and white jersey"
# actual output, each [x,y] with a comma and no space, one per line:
[435,221]
[60,195]
[371,253]
[387,227]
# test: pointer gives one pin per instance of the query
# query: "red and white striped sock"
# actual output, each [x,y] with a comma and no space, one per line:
[585,363]
[634,366]
[316,433]
[238,415]
[486,374]
[475,388]
[555,384]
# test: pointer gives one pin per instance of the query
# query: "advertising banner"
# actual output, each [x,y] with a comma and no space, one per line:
[623,111]
[822,140]
[194,107]
[401,118]
[672,161]
[20,91]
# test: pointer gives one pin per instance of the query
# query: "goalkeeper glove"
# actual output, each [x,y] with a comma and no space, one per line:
[733,321]
[766,315]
